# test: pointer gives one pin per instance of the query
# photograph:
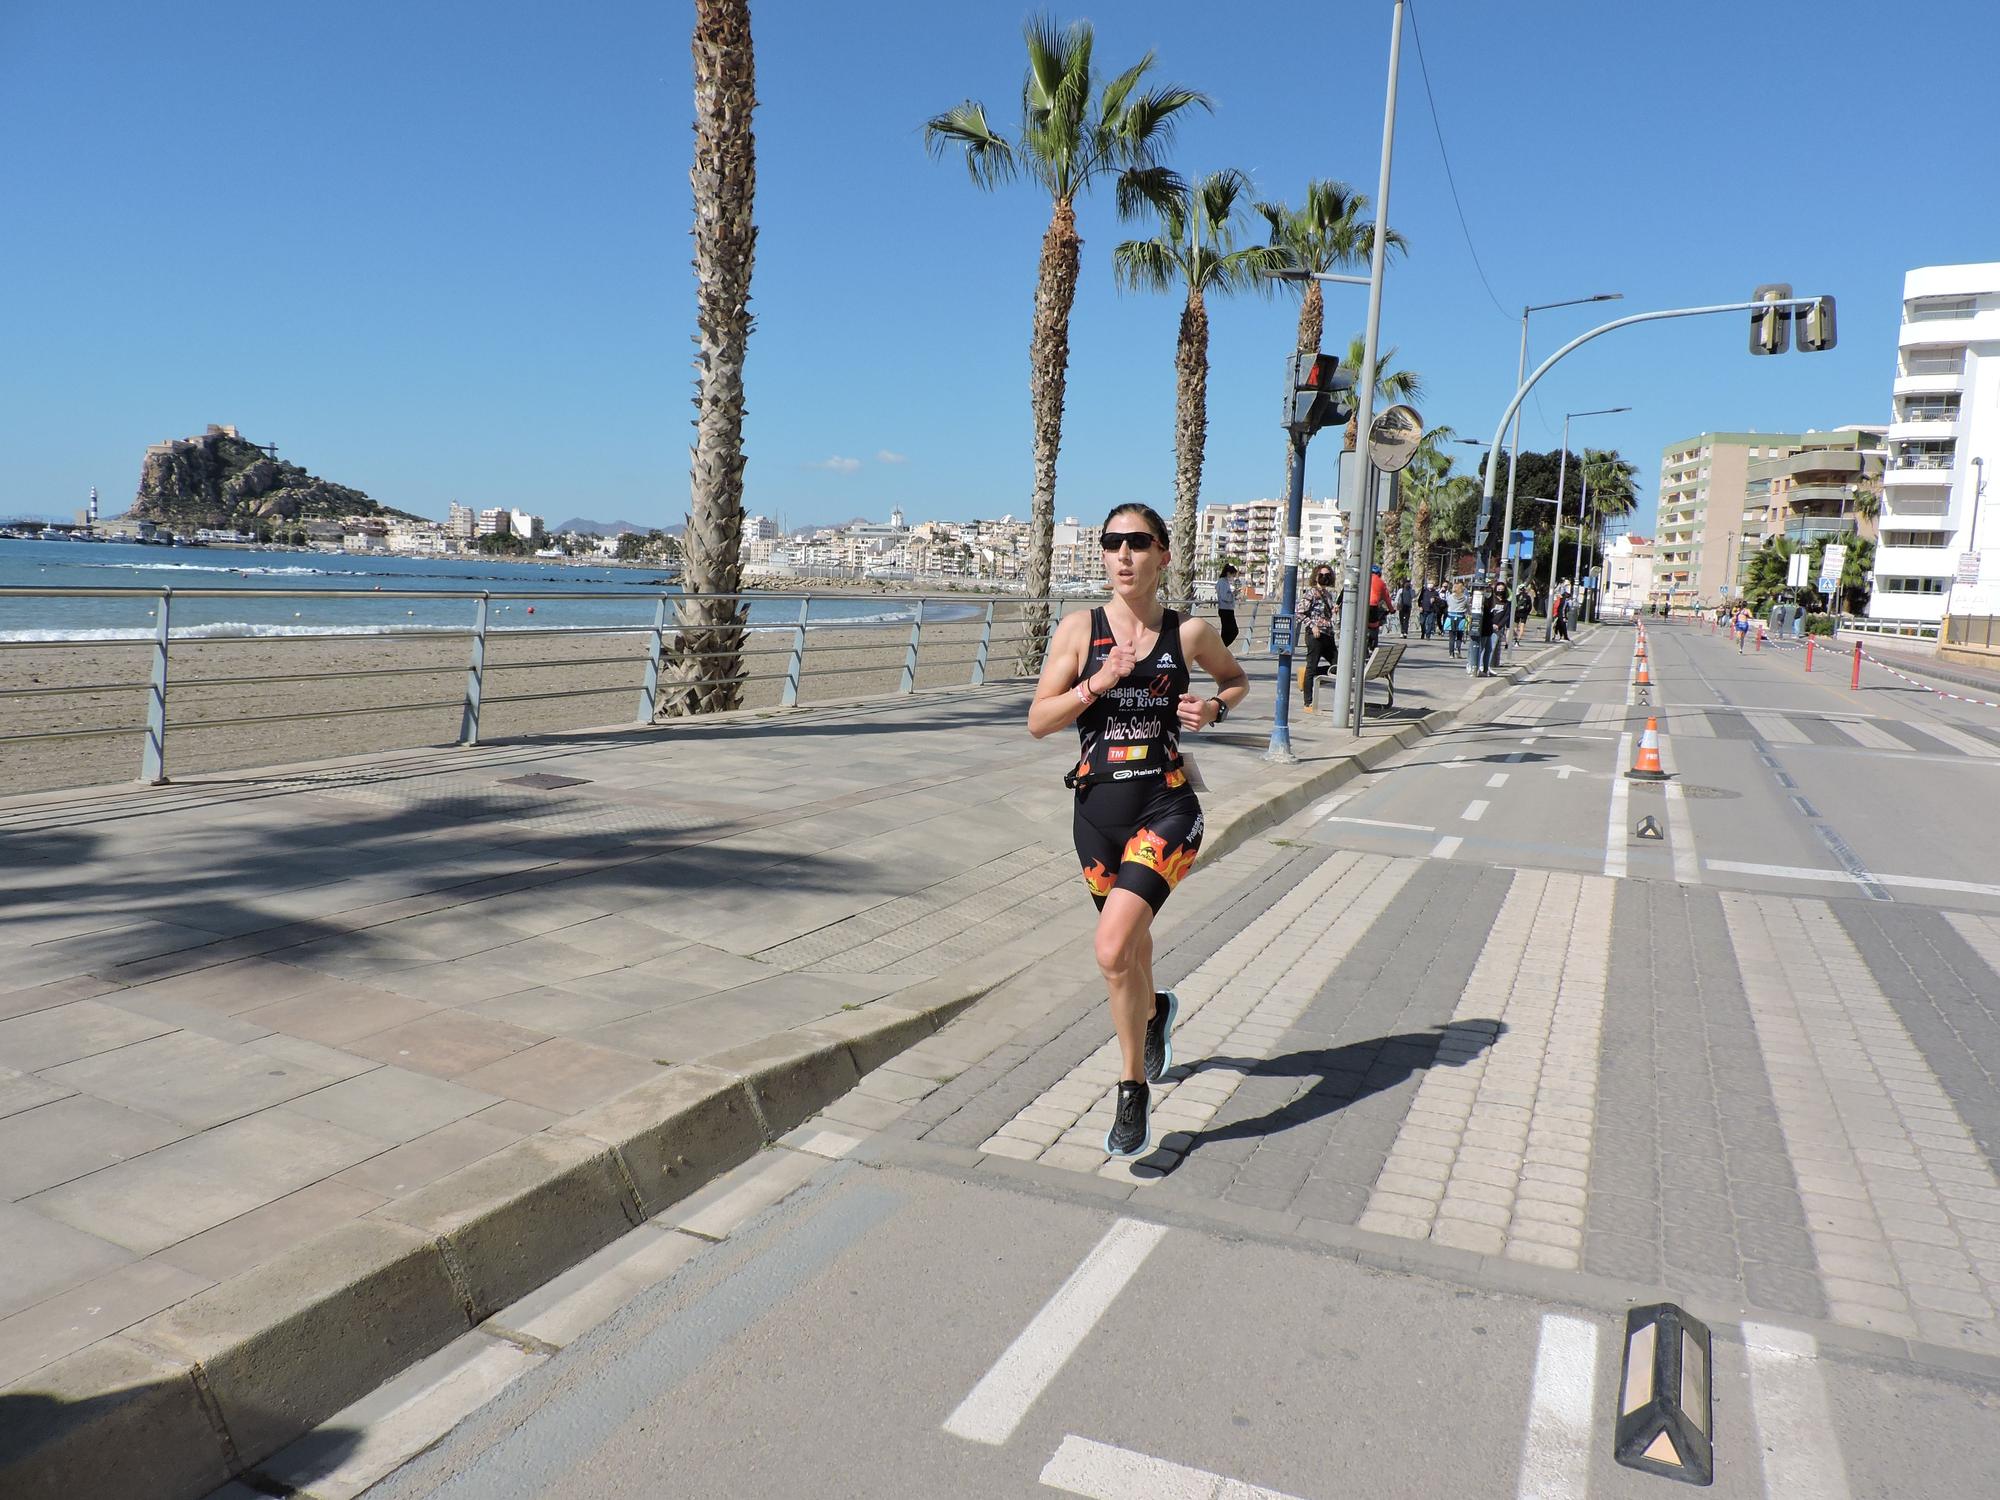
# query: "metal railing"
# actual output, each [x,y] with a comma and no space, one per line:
[1920,630]
[1001,621]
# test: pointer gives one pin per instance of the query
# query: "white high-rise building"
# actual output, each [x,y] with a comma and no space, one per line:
[1944,439]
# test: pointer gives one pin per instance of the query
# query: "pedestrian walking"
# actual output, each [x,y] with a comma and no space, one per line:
[1121,675]
[1319,612]
[1560,607]
[1427,599]
[1406,598]
[1523,607]
[1454,620]
[1496,628]
[1378,606]
[1225,603]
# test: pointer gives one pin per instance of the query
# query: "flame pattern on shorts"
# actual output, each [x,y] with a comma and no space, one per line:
[1099,879]
[1147,848]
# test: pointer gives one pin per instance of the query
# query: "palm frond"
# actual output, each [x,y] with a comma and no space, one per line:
[988,157]
[1155,189]
[1145,126]
[1119,89]
[1218,193]
[1248,270]
[1153,265]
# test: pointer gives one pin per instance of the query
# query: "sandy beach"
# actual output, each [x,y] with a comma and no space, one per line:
[427,672]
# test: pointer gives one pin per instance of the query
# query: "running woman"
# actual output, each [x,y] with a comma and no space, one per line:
[1120,675]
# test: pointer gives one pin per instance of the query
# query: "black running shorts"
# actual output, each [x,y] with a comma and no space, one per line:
[1142,838]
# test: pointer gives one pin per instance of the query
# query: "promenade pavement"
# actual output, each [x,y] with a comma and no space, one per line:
[243,1015]
[1465,1069]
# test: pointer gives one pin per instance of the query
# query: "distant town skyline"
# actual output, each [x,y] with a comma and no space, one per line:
[475,288]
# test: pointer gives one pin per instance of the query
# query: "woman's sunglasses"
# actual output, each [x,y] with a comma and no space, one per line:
[1138,541]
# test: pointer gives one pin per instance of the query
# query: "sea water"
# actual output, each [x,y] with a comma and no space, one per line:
[277,593]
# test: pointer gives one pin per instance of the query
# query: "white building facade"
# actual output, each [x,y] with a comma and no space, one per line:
[1944,443]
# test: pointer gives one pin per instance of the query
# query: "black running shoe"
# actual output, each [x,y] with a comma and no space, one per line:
[1131,1133]
[1160,1034]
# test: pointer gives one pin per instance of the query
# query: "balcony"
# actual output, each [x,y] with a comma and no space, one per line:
[1807,494]
[1806,530]
[1956,326]
[1929,427]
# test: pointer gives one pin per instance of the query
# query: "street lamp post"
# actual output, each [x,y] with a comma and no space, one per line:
[1514,448]
[1562,478]
[1354,609]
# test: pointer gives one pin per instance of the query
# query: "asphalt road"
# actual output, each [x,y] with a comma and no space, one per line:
[931,1316]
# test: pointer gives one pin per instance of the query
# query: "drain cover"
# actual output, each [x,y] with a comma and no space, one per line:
[544,781]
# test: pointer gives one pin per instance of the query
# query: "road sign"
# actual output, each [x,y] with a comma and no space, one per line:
[1831,562]
[1522,549]
[1795,571]
[1968,567]
[1281,635]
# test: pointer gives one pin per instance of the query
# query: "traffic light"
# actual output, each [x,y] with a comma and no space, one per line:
[1771,327]
[1816,326]
[1319,394]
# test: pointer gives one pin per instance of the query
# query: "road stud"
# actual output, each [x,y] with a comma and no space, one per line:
[1647,766]
[1649,828]
[1666,1410]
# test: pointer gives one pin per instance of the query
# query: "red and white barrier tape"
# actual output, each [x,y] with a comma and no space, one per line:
[1927,687]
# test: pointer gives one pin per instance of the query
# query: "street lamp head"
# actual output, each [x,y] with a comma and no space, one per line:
[1289,273]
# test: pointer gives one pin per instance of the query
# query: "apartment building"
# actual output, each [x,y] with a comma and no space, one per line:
[1709,526]
[1811,493]
[1628,574]
[1940,528]
[1251,534]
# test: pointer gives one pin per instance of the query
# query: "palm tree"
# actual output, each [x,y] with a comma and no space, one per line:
[1072,133]
[1391,385]
[1867,502]
[1422,483]
[1195,249]
[1325,233]
[707,663]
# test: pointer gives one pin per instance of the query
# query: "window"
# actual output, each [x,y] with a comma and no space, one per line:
[1916,538]
[1910,585]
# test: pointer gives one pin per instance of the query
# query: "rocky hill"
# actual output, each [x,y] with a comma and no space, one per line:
[221,479]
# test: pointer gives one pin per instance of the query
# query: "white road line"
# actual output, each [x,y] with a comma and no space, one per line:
[1794,1425]
[1002,1398]
[1687,864]
[1446,847]
[1842,877]
[1102,1472]
[1474,811]
[1498,778]
[1555,1455]
[1329,805]
[1680,823]
[1381,823]
[1868,735]
[1621,796]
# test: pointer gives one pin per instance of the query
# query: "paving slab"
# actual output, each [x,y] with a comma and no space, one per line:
[398,981]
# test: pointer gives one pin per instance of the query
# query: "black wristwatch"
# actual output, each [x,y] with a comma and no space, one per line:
[1221,708]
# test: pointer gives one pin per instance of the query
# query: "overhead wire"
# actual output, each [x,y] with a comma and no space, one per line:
[1437,126]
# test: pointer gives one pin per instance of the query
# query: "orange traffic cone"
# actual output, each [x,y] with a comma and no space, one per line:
[1647,766]
[1642,648]
[1645,678]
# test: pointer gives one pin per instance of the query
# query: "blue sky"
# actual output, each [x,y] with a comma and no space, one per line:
[440,250]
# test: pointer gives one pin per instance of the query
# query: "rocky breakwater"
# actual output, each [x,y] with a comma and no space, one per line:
[221,479]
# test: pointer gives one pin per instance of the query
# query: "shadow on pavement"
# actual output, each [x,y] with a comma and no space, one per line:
[1347,1074]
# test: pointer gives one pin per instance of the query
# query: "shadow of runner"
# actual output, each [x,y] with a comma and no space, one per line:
[1347,1073]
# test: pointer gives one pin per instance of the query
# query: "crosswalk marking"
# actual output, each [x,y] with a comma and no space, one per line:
[1877,1145]
[1541,1048]
[1795,1430]
[1555,1453]
[1868,735]
[1958,739]
[1777,729]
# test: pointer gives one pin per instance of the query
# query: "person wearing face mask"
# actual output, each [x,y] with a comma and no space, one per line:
[1121,674]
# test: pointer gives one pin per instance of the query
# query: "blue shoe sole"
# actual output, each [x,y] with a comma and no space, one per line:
[1167,1041]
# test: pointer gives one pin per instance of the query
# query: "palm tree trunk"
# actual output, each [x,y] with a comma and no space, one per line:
[1391,531]
[707,664]
[1190,442]
[1048,377]
[1420,537]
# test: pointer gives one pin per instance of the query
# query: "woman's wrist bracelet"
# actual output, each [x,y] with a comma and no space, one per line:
[1084,695]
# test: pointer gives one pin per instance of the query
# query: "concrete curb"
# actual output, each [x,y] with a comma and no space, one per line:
[182,1402]
[175,1406]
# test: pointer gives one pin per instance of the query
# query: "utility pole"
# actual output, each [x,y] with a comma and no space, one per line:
[1354,590]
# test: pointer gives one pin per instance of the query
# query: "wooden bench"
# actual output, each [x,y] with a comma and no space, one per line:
[1381,667]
